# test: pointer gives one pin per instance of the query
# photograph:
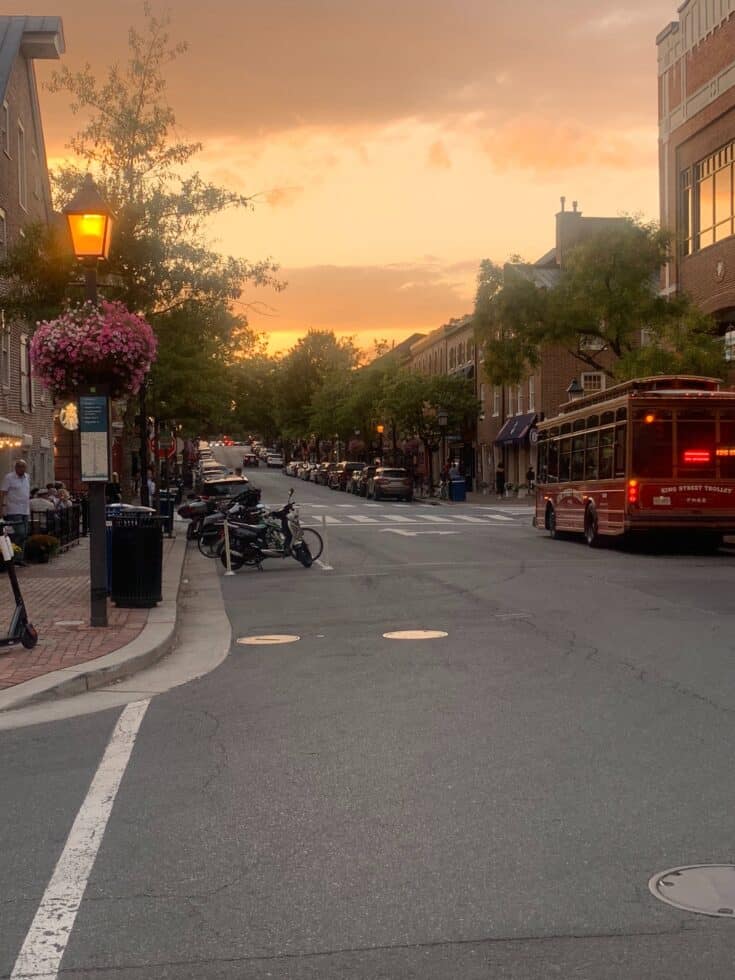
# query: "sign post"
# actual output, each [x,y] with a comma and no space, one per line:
[94,435]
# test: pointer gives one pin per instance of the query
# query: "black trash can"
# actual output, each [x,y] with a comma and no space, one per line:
[136,560]
[457,490]
[166,505]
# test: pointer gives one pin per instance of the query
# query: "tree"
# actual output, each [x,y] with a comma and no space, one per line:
[412,402]
[606,300]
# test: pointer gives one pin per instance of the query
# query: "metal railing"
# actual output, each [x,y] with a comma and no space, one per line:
[63,524]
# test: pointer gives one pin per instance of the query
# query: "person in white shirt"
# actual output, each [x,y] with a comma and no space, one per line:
[40,501]
[15,500]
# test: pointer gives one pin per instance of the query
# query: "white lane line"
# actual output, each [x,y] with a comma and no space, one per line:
[362,519]
[398,519]
[436,520]
[499,517]
[44,946]
[328,519]
[470,520]
[346,505]
[324,566]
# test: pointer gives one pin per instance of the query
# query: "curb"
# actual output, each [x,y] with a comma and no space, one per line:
[153,642]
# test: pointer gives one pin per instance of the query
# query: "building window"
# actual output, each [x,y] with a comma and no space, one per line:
[22,168]
[509,409]
[4,351]
[706,201]
[519,401]
[496,401]
[5,119]
[531,394]
[26,384]
[3,235]
[593,381]
[730,345]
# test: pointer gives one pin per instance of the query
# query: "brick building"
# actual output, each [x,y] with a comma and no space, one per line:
[26,409]
[508,413]
[696,79]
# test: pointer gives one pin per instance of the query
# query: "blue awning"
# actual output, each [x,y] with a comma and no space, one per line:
[516,429]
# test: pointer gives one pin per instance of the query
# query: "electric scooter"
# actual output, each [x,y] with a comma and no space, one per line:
[20,630]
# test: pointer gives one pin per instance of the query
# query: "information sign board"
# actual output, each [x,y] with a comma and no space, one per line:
[94,433]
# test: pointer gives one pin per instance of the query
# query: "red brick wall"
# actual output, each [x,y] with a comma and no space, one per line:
[710,56]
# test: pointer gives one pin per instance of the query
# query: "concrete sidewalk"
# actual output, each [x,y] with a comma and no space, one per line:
[485,500]
[71,656]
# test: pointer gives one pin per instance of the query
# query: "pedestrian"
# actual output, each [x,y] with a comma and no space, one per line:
[531,478]
[15,501]
[500,479]
[151,486]
[113,493]
[454,472]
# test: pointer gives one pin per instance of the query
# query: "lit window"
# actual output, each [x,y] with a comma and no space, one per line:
[706,207]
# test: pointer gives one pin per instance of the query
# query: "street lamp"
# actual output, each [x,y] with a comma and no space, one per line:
[442,419]
[90,225]
[380,429]
[575,390]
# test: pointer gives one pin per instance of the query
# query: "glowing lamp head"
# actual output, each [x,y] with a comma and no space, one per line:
[649,418]
[380,429]
[90,222]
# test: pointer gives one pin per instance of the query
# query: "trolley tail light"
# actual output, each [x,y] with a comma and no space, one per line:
[633,492]
[694,456]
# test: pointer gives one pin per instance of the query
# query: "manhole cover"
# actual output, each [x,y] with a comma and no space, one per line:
[705,888]
[415,635]
[265,641]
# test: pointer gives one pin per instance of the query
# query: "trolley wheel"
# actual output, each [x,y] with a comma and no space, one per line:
[591,527]
[29,636]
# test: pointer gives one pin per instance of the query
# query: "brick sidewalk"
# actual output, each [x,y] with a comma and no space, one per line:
[57,599]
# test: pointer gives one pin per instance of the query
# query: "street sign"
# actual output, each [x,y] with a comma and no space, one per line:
[94,435]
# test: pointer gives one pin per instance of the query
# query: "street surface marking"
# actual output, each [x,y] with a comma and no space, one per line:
[362,519]
[436,520]
[415,635]
[471,520]
[46,941]
[330,520]
[398,518]
[273,639]
[499,517]
[413,534]
[345,505]
[321,564]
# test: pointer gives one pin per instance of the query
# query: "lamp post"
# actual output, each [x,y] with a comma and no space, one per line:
[442,419]
[575,390]
[380,429]
[90,225]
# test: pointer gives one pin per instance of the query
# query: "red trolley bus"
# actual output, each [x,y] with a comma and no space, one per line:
[646,455]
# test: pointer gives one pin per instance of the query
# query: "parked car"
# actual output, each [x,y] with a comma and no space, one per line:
[390,483]
[274,461]
[291,468]
[250,459]
[322,473]
[361,483]
[305,470]
[341,474]
[226,486]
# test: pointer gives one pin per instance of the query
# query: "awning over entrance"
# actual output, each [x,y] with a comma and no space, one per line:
[515,430]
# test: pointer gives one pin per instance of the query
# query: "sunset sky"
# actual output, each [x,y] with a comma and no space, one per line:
[393,145]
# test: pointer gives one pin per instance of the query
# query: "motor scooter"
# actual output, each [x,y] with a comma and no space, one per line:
[279,535]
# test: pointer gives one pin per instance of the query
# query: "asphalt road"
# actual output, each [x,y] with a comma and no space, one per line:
[490,804]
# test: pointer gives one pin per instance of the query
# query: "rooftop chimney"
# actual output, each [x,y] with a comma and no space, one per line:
[563,204]
[574,206]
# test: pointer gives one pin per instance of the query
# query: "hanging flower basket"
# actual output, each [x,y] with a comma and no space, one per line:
[89,345]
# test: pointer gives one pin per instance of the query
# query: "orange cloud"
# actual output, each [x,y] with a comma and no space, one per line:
[549,146]
[438,157]
[283,197]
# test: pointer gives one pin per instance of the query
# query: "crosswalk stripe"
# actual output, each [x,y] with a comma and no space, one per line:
[499,517]
[470,520]
[331,520]
[362,519]
[398,519]
[435,520]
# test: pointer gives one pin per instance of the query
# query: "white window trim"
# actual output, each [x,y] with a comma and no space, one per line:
[3,234]
[593,374]
[496,402]
[520,400]
[22,167]
[6,133]
[532,394]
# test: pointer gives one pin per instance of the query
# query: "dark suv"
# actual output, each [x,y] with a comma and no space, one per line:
[342,473]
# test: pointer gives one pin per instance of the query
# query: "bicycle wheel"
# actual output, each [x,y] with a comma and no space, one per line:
[314,541]
[209,544]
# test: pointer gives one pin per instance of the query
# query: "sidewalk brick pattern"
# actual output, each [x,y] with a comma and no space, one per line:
[54,594]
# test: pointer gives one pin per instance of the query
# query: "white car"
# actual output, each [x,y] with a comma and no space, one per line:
[274,460]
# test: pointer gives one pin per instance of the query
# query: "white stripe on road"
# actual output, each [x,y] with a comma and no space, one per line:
[471,520]
[398,519]
[436,520]
[324,566]
[499,517]
[327,518]
[362,519]
[44,946]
